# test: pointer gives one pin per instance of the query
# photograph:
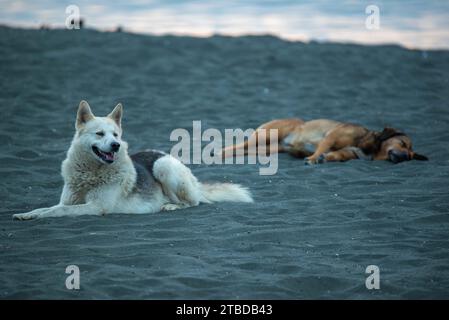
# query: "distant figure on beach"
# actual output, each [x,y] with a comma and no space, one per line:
[79,23]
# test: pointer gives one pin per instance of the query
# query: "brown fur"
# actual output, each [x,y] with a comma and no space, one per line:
[333,141]
[284,127]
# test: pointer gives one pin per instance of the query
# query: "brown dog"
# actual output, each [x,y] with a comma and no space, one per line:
[326,140]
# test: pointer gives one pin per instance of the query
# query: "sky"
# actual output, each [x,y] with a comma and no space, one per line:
[412,24]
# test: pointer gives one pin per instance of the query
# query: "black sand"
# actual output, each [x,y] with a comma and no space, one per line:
[312,231]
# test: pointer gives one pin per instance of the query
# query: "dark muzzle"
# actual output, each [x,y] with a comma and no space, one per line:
[396,156]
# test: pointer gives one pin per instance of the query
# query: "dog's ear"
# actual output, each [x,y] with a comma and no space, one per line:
[116,114]
[417,156]
[388,133]
[84,114]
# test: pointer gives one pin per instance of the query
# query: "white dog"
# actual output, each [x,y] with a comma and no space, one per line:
[101,178]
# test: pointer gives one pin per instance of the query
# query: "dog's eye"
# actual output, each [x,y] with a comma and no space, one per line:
[100,133]
[115,134]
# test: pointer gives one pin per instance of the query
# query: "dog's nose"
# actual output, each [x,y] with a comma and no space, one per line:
[115,146]
[397,156]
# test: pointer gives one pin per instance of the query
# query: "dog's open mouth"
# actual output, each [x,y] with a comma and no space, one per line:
[107,157]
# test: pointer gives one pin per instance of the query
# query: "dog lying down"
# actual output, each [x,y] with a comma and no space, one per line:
[101,178]
[322,140]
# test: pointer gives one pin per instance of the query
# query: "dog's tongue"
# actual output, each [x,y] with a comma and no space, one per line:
[108,156]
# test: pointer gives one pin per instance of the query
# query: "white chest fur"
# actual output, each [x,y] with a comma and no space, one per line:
[84,177]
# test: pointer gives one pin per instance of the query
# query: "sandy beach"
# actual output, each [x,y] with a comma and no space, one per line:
[312,230]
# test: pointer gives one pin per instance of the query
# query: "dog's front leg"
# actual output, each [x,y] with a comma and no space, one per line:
[340,155]
[30,215]
[324,146]
[61,211]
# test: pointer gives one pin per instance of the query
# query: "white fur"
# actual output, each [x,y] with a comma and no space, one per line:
[181,186]
[178,182]
[94,187]
[217,192]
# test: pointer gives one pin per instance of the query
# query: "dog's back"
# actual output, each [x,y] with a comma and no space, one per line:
[143,162]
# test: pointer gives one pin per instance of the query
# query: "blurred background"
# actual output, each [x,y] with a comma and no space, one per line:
[413,24]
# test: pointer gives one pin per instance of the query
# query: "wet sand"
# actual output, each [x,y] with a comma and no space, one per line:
[312,230]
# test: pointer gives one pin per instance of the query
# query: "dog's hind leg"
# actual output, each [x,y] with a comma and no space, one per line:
[262,137]
[231,151]
[345,155]
[178,183]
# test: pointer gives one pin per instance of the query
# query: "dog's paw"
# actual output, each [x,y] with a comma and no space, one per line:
[310,161]
[25,216]
[37,213]
[170,207]
[321,159]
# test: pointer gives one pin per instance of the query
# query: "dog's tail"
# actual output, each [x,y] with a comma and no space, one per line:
[230,192]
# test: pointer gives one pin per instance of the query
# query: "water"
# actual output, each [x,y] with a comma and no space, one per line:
[414,24]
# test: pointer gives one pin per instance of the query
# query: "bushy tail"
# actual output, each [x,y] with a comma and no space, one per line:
[217,192]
